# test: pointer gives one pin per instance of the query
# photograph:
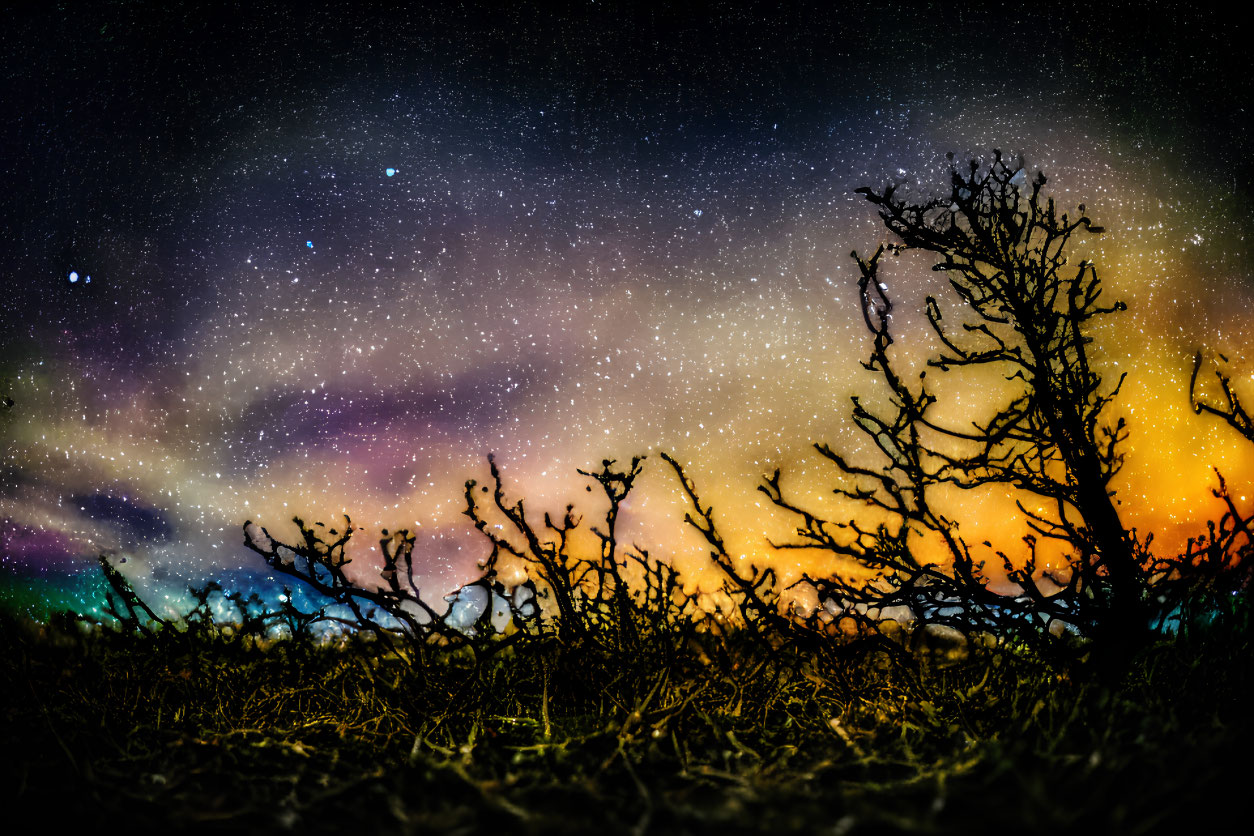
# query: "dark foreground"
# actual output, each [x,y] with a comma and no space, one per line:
[206,731]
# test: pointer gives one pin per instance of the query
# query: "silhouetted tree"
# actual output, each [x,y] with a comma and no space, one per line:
[123,604]
[1231,410]
[1024,314]
[755,596]
[619,599]
[589,595]
[1220,563]
[391,609]
[622,593]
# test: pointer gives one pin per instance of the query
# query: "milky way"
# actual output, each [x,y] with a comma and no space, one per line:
[276,263]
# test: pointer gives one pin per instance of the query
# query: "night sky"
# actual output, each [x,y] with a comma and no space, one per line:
[260,262]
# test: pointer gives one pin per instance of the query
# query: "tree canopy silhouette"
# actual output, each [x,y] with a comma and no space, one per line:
[1022,311]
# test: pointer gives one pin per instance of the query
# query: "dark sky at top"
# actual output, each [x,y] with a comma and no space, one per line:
[125,117]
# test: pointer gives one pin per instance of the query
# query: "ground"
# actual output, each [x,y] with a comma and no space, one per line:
[202,731]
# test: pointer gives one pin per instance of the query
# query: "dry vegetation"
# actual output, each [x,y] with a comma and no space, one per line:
[203,727]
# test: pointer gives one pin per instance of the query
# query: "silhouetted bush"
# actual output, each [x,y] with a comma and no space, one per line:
[1022,312]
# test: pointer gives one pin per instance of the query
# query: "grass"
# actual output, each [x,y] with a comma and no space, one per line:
[203,728]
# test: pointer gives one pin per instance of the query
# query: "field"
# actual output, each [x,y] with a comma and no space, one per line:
[203,728]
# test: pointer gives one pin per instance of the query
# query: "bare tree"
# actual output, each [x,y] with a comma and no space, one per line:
[1232,411]
[590,595]
[1022,312]
[619,599]
[755,596]
[622,595]
[391,608]
[123,604]
[1220,563]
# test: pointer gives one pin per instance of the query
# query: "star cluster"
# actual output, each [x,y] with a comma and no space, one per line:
[337,257]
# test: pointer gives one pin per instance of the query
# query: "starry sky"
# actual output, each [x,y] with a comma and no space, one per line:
[262,261]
